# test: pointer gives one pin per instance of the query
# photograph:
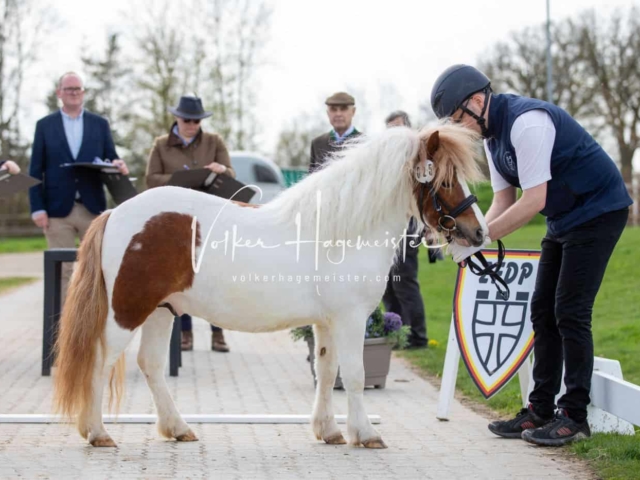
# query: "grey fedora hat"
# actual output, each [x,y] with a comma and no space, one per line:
[190,108]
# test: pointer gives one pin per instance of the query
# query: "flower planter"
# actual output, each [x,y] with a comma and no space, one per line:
[377,358]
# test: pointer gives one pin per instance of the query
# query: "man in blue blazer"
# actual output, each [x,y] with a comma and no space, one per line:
[68,199]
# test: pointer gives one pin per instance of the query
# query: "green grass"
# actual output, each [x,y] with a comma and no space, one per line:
[22,245]
[614,457]
[9,283]
[616,331]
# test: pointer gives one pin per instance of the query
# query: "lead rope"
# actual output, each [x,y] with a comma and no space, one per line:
[491,270]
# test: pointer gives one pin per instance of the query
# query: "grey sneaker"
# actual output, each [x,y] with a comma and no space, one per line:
[561,431]
[524,420]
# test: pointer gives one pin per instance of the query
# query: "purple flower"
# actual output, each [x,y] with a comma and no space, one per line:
[392,322]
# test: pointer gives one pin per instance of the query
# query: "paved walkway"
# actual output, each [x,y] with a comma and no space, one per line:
[22,265]
[263,373]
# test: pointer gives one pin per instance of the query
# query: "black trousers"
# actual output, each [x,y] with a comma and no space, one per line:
[185,320]
[403,297]
[570,272]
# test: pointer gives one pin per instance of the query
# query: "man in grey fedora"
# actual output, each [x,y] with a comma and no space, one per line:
[340,110]
[187,146]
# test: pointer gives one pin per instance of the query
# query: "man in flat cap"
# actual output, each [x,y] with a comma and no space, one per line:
[340,110]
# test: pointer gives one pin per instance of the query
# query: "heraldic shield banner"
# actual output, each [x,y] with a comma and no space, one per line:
[495,336]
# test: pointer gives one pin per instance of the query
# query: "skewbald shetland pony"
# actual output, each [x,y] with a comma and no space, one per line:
[173,250]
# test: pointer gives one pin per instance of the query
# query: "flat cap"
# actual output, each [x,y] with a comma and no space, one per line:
[340,98]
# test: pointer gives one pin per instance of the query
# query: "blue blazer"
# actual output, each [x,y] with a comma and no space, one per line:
[56,194]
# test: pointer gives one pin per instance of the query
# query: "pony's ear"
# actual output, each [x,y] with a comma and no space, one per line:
[433,143]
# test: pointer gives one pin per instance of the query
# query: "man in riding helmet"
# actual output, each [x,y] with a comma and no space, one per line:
[567,176]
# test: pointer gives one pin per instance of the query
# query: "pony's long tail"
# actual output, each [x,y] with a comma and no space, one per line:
[82,328]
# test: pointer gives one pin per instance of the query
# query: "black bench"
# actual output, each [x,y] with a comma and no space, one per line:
[53,260]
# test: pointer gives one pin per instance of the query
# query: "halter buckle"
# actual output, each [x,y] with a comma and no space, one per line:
[445,218]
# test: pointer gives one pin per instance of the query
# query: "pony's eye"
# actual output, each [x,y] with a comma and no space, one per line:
[446,185]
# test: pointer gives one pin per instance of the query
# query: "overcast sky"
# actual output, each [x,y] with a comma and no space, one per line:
[387,52]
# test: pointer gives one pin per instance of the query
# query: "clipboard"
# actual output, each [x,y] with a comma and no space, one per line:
[206,181]
[12,184]
[103,167]
[195,178]
[119,186]
[226,187]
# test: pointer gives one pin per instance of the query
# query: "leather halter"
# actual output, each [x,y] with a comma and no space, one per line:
[446,216]
[447,224]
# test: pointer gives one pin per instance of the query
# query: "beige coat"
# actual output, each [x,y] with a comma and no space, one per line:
[170,155]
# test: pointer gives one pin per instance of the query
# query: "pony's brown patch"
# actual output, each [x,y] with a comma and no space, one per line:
[156,264]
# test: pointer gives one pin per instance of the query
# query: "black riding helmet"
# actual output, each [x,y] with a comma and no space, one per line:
[456,84]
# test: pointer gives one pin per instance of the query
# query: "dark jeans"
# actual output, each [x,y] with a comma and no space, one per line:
[187,327]
[404,297]
[570,272]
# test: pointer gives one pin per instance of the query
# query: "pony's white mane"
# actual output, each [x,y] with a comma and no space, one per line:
[456,154]
[360,186]
[372,179]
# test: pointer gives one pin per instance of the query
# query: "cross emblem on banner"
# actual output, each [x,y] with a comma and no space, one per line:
[497,328]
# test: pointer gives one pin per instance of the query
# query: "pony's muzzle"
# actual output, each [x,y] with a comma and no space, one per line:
[474,238]
[479,236]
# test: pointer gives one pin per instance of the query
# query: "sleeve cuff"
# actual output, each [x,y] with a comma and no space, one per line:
[534,182]
[36,213]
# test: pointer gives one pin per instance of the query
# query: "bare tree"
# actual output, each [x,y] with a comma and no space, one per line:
[213,54]
[24,24]
[167,58]
[51,101]
[611,51]
[237,33]
[162,63]
[294,142]
[519,66]
[106,83]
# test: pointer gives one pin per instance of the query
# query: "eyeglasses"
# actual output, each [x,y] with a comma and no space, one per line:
[73,90]
[463,107]
[191,120]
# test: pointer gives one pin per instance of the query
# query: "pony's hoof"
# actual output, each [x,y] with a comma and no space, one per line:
[103,442]
[374,443]
[187,437]
[336,439]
